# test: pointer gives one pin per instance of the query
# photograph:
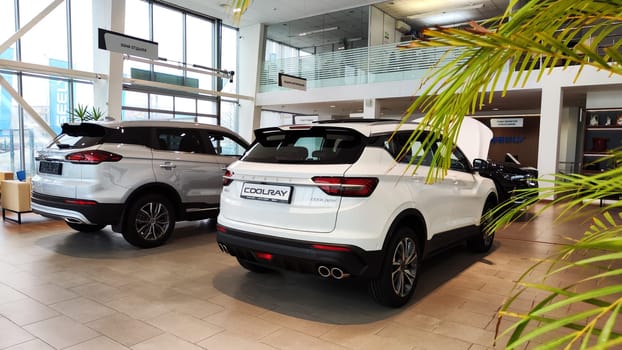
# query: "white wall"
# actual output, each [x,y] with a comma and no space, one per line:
[381,27]
[610,98]
[568,138]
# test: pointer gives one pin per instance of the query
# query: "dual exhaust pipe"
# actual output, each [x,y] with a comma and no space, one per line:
[333,272]
[322,270]
[223,248]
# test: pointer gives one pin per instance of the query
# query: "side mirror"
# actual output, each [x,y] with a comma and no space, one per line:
[480,164]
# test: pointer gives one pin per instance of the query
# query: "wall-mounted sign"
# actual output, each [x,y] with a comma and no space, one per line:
[126,44]
[507,139]
[506,122]
[292,82]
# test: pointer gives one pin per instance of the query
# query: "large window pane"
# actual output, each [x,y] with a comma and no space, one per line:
[200,48]
[83,94]
[82,35]
[135,99]
[136,24]
[161,102]
[45,43]
[229,115]
[229,56]
[137,18]
[168,33]
[7,27]
[185,105]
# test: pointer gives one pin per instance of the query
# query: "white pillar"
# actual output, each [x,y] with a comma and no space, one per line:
[108,14]
[550,121]
[250,58]
[371,108]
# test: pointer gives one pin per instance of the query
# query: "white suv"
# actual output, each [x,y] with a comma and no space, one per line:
[138,176]
[330,199]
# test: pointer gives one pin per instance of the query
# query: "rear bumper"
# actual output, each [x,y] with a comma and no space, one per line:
[58,208]
[299,256]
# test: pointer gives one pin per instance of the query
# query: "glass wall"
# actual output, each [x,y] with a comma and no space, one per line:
[183,38]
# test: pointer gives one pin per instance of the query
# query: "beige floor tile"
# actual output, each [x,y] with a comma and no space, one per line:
[165,341]
[99,292]
[364,337]
[34,344]
[421,339]
[99,343]
[242,324]
[229,340]
[309,327]
[82,309]
[48,293]
[9,294]
[139,308]
[466,333]
[26,311]
[61,331]
[290,339]
[124,330]
[12,334]
[185,327]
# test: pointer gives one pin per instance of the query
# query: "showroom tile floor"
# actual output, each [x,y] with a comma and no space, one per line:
[60,289]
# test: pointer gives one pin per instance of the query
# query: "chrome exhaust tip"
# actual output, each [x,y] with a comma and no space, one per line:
[338,273]
[323,271]
[223,248]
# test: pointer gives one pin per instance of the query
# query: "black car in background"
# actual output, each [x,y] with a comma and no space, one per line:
[508,176]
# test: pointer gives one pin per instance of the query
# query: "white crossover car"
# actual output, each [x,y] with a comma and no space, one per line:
[330,199]
[138,176]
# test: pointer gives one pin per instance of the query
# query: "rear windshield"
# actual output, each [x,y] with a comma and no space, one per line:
[87,135]
[309,146]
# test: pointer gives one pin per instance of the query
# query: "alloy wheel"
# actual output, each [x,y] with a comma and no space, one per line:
[404,269]
[152,221]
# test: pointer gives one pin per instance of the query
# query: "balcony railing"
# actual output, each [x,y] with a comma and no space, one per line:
[356,66]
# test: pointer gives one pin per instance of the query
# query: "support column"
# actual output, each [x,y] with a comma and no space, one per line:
[108,14]
[371,108]
[550,121]
[250,58]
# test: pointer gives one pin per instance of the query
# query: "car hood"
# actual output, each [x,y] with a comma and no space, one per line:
[474,138]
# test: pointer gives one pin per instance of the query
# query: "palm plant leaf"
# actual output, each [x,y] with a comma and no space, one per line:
[506,52]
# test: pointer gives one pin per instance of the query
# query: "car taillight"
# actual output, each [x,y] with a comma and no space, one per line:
[80,202]
[346,186]
[226,178]
[93,157]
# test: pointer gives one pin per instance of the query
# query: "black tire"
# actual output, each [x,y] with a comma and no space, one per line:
[400,271]
[483,241]
[85,227]
[251,266]
[149,222]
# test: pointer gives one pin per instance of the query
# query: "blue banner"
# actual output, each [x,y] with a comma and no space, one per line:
[59,99]
[5,97]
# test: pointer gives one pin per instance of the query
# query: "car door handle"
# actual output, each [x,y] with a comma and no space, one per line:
[168,166]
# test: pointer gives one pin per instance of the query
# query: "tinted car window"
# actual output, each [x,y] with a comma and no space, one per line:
[411,155]
[79,136]
[181,140]
[224,145]
[314,145]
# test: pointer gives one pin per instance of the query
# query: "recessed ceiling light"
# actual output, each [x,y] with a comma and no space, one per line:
[332,106]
